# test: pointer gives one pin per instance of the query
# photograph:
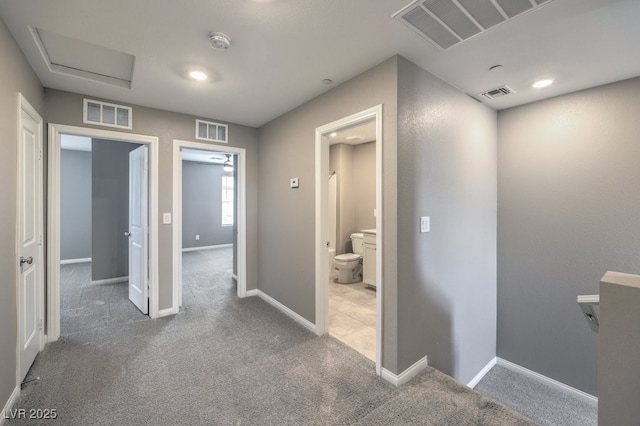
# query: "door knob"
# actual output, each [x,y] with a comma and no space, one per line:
[28,260]
[127,234]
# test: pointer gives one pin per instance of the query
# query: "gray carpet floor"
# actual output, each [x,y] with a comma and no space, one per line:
[538,401]
[224,360]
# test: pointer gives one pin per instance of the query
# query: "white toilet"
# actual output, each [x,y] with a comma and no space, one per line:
[349,265]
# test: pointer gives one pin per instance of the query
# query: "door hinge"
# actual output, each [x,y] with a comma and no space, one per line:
[41,326]
[40,155]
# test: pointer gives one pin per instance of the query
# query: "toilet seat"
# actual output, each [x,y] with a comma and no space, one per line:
[347,257]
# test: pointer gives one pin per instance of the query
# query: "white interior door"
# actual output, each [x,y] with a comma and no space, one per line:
[138,228]
[29,237]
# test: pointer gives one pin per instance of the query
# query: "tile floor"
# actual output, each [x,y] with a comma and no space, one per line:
[352,316]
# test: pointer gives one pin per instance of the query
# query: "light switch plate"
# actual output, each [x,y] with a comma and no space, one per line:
[425,224]
[166,218]
[295,183]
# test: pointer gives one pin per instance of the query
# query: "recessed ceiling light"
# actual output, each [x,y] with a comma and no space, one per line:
[334,134]
[542,83]
[198,75]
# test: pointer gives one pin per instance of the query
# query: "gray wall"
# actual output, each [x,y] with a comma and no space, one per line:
[619,350]
[364,182]
[355,167]
[202,206]
[110,208]
[287,216]
[447,277]
[17,77]
[75,204]
[569,169]
[66,108]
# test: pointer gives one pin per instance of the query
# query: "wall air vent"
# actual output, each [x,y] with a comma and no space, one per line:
[106,114]
[445,23]
[498,92]
[212,132]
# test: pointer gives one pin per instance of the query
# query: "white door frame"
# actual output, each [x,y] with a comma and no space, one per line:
[322,265]
[25,106]
[53,217]
[241,248]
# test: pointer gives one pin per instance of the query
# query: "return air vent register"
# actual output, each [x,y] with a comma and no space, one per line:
[445,23]
[498,92]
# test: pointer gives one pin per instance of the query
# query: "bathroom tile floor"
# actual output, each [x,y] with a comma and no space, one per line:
[352,316]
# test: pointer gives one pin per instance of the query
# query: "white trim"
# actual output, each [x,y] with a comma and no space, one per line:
[253,292]
[110,280]
[12,400]
[53,215]
[406,375]
[576,393]
[321,184]
[206,247]
[72,261]
[472,384]
[291,314]
[24,105]
[241,248]
[167,312]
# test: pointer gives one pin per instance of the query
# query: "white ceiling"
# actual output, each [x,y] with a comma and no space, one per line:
[355,135]
[282,49]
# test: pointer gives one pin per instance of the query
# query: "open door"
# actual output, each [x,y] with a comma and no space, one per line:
[138,229]
[30,256]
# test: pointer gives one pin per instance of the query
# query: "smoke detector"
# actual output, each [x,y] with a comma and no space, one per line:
[219,41]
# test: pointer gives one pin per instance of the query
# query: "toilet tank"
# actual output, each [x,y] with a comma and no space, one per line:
[357,239]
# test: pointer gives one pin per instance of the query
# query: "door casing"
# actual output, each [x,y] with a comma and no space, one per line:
[53,217]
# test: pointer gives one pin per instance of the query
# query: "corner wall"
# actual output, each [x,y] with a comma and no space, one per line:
[447,277]
[17,77]
[286,239]
[568,173]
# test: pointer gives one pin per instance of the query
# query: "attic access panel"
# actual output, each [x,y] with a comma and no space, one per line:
[77,58]
[445,23]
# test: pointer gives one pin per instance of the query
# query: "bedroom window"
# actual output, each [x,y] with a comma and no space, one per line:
[227,200]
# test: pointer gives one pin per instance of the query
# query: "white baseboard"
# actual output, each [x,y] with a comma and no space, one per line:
[583,396]
[12,400]
[253,292]
[406,375]
[111,280]
[167,312]
[293,315]
[206,247]
[472,384]
[70,261]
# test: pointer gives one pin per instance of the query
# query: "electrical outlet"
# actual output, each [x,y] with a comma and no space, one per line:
[166,218]
[197,237]
[295,183]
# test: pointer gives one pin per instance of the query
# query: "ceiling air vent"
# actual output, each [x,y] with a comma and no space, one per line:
[445,23]
[497,92]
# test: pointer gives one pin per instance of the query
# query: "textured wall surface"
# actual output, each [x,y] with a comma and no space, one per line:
[568,173]
[202,206]
[287,217]
[75,204]
[110,208]
[16,77]
[66,108]
[447,277]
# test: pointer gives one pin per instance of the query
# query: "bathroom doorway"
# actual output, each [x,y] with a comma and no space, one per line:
[348,200]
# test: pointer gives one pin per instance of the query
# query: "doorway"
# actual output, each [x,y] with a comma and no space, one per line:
[373,269]
[143,163]
[236,156]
